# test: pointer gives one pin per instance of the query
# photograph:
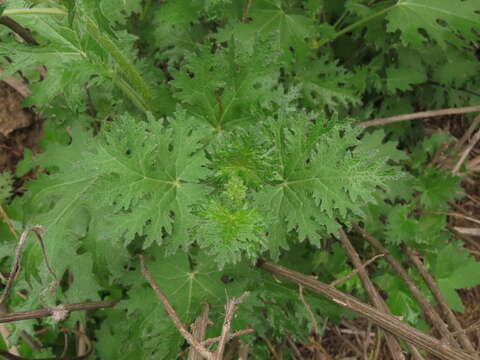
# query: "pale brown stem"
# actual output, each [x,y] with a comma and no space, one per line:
[432,286]
[467,134]
[199,328]
[420,115]
[309,310]
[172,314]
[377,301]
[385,321]
[230,336]
[230,308]
[466,152]
[41,313]
[427,309]
[37,230]
[355,271]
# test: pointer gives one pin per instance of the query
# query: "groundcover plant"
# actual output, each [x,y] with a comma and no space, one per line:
[207,134]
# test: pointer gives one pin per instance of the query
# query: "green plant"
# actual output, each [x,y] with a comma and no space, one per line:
[207,134]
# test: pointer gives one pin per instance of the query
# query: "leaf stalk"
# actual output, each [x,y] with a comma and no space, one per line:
[354,26]
[34,11]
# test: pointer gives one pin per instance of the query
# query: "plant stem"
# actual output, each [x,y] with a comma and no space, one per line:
[340,19]
[146,8]
[123,63]
[34,11]
[354,26]
[134,97]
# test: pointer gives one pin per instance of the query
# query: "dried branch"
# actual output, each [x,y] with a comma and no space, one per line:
[386,321]
[356,270]
[432,286]
[293,346]
[428,310]
[230,336]
[467,151]
[41,313]
[377,301]
[466,136]
[230,308]
[309,309]
[199,328]
[172,314]
[420,115]
[198,346]
[464,237]
[37,230]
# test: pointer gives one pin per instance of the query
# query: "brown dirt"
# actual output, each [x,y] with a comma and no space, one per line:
[20,128]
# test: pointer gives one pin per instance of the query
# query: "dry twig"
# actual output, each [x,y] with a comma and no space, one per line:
[386,321]
[376,299]
[466,152]
[309,310]
[356,270]
[198,330]
[420,115]
[41,313]
[37,230]
[198,346]
[432,286]
[427,309]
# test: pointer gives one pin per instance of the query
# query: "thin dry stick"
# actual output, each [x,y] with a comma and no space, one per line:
[432,286]
[5,334]
[198,329]
[387,322]
[457,215]
[172,314]
[37,230]
[466,152]
[230,308]
[464,237]
[309,310]
[427,309]
[420,115]
[271,348]
[41,313]
[467,134]
[356,270]
[377,300]
[351,345]
[472,165]
[471,328]
[293,346]
[231,336]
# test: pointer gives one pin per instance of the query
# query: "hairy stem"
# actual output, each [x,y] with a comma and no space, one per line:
[124,64]
[34,11]
[354,26]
